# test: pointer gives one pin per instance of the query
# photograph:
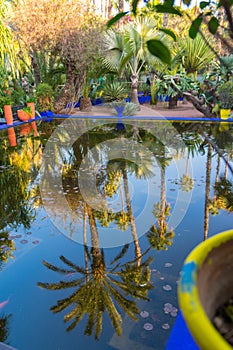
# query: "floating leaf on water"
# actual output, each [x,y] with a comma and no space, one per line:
[24,241]
[168,307]
[148,326]
[173,313]
[174,309]
[144,314]
[165,326]
[35,242]
[168,264]
[167,287]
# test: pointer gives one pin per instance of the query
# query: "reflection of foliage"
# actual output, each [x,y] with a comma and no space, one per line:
[4,329]
[186,183]
[160,239]
[136,277]
[98,289]
[111,187]
[224,194]
[157,209]
[14,180]
[122,219]
[6,247]
[104,217]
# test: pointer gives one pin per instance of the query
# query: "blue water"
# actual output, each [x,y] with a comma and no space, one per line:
[55,185]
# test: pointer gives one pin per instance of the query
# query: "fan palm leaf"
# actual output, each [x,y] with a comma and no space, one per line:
[194,54]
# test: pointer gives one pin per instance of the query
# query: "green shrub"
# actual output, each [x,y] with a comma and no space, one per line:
[115,91]
[225,94]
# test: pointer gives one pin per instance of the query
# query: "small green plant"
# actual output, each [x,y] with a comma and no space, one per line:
[115,91]
[5,100]
[44,90]
[30,99]
[44,97]
[225,95]
[28,110]
[145,88]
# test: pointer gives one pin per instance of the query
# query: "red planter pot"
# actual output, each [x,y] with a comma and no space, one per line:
[32,106]
[22,115]
[12,137]
[8,114]
[33,124]
[25,129]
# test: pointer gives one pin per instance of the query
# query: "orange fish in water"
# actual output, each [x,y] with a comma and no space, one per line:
[3,303]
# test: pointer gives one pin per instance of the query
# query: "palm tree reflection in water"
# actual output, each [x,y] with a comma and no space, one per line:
[99,289]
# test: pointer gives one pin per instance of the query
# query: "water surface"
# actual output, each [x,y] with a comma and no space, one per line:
[96,221]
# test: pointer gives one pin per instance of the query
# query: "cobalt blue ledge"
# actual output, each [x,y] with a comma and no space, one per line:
[180,337]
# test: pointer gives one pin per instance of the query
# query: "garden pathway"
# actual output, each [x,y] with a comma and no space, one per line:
[185,110]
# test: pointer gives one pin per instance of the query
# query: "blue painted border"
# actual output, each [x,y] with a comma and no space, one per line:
[49,116]
[172,118]
[5,126]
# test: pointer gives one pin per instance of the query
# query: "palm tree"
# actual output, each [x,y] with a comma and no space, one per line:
[207,192]
[186,182]
[98,289]
[224,194]
[128,49]
[194,54]
[159,236]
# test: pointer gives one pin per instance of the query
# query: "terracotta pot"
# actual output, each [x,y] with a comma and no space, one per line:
[12,137]
[34,127]
[8,114]
[25,129]
[32,106]
[206,284]
[22,115]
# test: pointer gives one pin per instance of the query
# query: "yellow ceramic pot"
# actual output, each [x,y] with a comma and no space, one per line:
[206,283]
[225,113]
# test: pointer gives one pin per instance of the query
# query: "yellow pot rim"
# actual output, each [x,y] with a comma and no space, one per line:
[201,328]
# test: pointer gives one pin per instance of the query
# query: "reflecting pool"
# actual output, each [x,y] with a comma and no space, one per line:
[97,217]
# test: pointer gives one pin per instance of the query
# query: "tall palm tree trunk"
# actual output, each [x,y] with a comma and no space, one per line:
[85,239]
[134,89]
[207,192]
[138,253]
[161,220]
[97,262]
